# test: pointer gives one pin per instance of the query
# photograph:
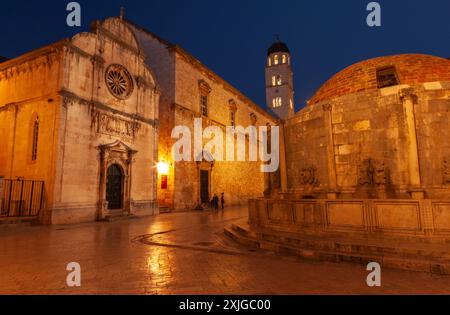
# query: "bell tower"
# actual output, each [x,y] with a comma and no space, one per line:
[279,81]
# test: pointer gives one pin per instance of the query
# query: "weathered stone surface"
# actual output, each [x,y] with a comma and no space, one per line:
[180,75]
[64,85]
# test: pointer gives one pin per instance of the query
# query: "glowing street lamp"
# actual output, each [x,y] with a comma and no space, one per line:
[163,168]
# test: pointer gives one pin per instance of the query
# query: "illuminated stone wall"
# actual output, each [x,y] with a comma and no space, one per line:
[361,145]
[84,128]
[181,77]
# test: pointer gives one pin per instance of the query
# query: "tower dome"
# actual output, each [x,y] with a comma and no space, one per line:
[278,47]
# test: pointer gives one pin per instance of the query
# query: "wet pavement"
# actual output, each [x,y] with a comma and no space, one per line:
[180,253]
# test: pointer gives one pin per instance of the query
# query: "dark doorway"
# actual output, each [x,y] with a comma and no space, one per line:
[204,186]
[114,187]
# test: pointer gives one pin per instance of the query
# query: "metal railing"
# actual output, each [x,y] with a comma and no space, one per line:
[21,198]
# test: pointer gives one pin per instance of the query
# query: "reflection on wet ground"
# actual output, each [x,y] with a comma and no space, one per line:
[180,253]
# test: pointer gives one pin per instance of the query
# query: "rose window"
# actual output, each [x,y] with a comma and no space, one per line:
[119,81]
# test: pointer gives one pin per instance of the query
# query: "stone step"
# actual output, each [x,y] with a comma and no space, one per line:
[163,210]
[6,222]
[370,246]
[339,251]
[114,217]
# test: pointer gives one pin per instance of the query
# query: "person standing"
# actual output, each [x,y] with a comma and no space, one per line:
[222,201]
[216,202]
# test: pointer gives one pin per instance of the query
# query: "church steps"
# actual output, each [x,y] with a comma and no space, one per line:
[434,259]
[18,222]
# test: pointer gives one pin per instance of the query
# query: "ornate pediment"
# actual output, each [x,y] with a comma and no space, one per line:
[117,146]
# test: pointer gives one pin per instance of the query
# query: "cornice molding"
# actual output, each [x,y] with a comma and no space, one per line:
[69,98]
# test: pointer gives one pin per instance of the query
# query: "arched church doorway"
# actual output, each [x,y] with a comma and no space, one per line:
[114,187]
[204,186]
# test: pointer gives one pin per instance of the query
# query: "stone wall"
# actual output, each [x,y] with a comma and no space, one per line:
[28,91]
[361,145]
[238,180]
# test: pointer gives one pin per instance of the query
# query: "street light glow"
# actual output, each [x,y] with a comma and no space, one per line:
[163,168]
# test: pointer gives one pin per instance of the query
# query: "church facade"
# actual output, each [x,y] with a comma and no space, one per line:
[88,123]
[79,126]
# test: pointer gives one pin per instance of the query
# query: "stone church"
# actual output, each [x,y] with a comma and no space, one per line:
[79,126]
[191,90]
[87,125]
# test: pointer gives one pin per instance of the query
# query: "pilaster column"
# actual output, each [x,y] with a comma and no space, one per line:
[331,157]
[408,99]
[283,169]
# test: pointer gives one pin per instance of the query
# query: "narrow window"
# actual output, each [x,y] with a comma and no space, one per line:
[205,91]
[34,145]
[387,77]
[204,105]
[233,118]
[274,81]
[275,59]
[269,61]
[284,59]
[291,104]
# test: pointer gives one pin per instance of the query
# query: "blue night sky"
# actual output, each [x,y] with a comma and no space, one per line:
[231,37]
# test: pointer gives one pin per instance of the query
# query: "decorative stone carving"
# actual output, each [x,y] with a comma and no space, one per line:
[308,176]
[113,125]
[204,87]
[327,107]
[98,60]
[446,171]
[408,93]
[372,173]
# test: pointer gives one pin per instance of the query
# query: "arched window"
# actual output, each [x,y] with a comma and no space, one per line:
[284,58]
[269,61]
[274,81]
[35,139]
[233,108]
[279,80]
[275,60]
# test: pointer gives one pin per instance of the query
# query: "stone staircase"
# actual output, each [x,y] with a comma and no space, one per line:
[397,254]
[119,216]
[18,222]
[164,210]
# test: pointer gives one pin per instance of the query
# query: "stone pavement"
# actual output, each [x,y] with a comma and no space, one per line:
[180,253]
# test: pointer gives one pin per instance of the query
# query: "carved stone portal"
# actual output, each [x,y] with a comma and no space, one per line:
[120,155]
[372,173]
